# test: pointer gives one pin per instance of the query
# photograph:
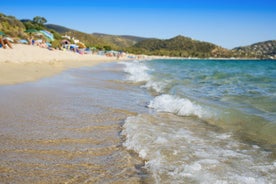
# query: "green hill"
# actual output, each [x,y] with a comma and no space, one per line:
[12,26]
[123,41]
[98,39]
[179,46]
[58,28]
[135,39]
[265,49]
[15,28]
[88,39]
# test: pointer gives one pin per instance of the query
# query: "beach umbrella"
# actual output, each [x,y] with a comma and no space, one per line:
[23,41]
[47,34]
[81,45]
[38,34]
[48,44]
[9,39]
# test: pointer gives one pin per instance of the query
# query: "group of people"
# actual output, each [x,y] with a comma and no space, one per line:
[4,42]
[40,42]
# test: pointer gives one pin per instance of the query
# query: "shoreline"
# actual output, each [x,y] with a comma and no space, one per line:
[210,58]
[26,63]
[66,129]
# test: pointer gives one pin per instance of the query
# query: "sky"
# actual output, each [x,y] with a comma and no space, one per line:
[228,23]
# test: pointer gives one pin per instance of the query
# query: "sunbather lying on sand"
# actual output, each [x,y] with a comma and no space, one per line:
[4,42]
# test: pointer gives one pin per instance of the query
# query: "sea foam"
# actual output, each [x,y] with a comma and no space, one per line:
[137,71]
[178,148]
[179,106]
[201,156]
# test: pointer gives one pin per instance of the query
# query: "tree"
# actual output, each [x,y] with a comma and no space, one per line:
[39,20]
[107,47]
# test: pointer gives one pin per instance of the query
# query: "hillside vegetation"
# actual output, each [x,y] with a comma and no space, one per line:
[179,46]
[121,41]
[11,26]
[265,49]
[98,39]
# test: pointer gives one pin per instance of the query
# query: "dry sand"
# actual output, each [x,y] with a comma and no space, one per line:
[26,63]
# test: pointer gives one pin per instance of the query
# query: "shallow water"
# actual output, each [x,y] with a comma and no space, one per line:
[66,129]
[139,122]
[212,121]
[187,150]
[233,94]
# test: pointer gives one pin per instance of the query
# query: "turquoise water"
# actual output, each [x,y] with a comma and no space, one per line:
[156,121]
[224,92]
[211,121]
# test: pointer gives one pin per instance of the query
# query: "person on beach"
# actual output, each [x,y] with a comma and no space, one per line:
[31,40]
[4,42]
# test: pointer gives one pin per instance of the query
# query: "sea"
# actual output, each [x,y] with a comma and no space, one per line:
[209,121]
[161,121]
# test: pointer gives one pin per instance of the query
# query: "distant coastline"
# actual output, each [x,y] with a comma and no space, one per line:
[210,58]
[178,46]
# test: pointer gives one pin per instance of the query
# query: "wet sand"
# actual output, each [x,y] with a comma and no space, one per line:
[66,129]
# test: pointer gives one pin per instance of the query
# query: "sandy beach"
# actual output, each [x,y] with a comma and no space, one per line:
[65,128]
[26,63]
[101,125]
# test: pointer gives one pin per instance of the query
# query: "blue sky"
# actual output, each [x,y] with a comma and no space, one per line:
[228,23]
